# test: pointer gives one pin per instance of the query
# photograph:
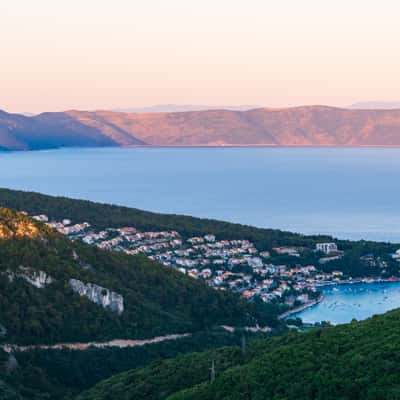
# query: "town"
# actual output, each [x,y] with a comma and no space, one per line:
[234,265]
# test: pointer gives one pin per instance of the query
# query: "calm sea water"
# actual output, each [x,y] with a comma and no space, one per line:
[342,303]
[346,192]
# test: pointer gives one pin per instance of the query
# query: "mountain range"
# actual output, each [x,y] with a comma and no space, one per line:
[299,126]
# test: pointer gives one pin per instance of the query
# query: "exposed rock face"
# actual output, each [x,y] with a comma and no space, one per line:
[39,279]
[99,295]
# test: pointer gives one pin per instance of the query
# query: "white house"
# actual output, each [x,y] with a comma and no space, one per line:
[327,248]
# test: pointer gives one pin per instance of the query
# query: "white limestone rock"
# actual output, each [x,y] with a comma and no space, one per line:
[99,295]
[39,279]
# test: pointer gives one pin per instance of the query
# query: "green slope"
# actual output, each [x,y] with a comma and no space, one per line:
[354,361]
[360,360]
[160,379]
[158,300]
[7,393]
[106,216]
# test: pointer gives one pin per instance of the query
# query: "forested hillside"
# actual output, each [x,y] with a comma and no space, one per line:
[38,303]
[108,216]
[62,374]
[360,360]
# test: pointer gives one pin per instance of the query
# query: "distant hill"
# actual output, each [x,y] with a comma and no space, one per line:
[46,131]
[376,105]
[299,126]
[183,108]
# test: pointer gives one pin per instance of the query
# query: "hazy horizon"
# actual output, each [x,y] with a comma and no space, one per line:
[170,108]
[103,55]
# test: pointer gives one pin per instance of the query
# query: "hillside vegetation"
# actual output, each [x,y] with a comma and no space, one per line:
[111,216]
[38,305]
[360,360]
[62,374]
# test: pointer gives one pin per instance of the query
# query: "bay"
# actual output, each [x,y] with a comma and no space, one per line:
[342,303]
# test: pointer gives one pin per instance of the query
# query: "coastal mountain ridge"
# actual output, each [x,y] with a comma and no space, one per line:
[297,126]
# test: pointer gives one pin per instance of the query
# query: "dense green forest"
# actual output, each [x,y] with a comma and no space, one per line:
[7,393]
[106,215]
[62,374]
[360,360]
[160,379]
[158,300]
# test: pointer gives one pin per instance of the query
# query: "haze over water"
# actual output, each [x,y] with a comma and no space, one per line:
[347,192]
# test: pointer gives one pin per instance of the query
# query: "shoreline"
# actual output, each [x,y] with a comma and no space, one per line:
[301,308]
[206,146]
[313,303]
[355,281]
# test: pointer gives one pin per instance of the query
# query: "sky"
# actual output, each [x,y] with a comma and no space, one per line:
[103,54]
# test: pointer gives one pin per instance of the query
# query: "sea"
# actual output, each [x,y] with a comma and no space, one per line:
[345,302]
[349,193]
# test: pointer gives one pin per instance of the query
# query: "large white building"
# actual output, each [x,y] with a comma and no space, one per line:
[327,248]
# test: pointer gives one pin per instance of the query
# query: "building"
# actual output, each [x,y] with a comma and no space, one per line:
[289,251]
[327,248]
[396,255]
[41,218]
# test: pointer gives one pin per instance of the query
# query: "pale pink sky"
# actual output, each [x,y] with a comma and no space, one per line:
[91,54]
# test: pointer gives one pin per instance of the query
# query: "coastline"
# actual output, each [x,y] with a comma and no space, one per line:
[301,308]
[205,146]
[359,280]
[346,282]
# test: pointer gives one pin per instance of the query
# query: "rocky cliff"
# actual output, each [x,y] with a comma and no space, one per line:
[99,295]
